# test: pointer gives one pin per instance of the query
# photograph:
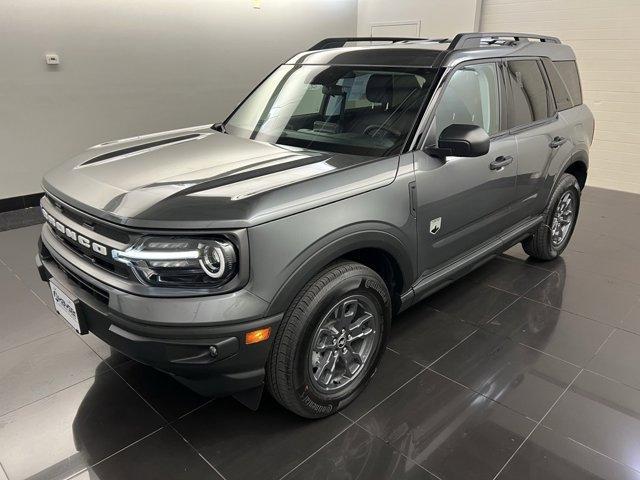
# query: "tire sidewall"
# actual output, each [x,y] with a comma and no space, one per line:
[569,183]
[315,402]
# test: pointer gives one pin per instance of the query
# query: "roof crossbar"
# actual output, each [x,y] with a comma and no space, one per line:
[338,42]
[477,39]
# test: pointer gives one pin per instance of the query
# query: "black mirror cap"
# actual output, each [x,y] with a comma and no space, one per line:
[461,140]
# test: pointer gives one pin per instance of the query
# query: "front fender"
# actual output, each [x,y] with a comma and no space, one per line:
[334,246]
[286,253]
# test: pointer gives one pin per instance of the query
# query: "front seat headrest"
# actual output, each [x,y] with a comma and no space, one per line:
[403,86]
[380,88]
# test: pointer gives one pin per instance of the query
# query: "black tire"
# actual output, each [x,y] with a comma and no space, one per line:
[541,245]
[289,375]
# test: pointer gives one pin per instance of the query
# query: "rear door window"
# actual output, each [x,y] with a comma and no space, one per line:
[530,99]
[568,70]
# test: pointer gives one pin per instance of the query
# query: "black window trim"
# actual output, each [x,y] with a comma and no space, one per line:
[543,72]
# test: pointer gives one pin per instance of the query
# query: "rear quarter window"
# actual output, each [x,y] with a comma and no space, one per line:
[560,90]
[568,71]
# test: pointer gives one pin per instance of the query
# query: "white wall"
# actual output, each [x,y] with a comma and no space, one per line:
[136,66]
[436,18]
[606,39]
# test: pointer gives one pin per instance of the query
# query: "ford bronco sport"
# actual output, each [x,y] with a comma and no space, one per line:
[275,247]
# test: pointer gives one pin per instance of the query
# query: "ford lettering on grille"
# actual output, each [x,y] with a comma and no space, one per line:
[73,235]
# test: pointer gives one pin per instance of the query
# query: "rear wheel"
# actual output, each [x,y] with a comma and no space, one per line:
[330,340]
[554,233]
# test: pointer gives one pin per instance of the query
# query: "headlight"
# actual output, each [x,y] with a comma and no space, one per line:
[181,262]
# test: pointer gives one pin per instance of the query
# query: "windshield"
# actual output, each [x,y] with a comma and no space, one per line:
[346,109]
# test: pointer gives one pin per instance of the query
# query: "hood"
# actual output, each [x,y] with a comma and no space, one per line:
[201,178]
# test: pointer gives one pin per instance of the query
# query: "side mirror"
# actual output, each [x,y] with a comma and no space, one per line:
[460,140]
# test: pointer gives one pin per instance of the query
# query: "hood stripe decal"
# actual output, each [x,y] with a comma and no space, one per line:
[136,148]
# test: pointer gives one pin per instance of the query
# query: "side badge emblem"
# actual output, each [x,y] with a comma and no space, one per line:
[434,226]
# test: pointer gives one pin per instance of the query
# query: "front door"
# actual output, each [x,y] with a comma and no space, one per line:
[464,202]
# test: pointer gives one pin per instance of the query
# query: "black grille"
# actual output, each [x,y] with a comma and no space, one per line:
[97,292]
[105,262]
[90,222]
[68,217]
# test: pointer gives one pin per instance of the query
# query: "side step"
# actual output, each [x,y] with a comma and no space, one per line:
[434,281]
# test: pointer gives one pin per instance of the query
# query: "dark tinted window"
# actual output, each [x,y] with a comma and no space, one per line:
[569,72]
[530,99]
[560,92]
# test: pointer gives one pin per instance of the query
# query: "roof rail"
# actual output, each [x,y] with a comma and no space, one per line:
[477,39]
[338,42]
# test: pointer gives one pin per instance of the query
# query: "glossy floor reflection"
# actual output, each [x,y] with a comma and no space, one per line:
[522,370]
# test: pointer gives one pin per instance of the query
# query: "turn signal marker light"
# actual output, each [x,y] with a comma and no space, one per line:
[257,336]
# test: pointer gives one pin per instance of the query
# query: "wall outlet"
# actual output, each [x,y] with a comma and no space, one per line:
[52,59]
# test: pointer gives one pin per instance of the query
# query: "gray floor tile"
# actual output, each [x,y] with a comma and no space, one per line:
[394,370]
[597,297]
[355,454]
[619,358]
[270,441]
[448,429]
[603,415]
[18,250]
[424,334]
[547,455]
[516,376]
[62,434]
[38,369]
[163,392]
[470,301]
[556,332]
[23,318]
[162,455]
[515,277]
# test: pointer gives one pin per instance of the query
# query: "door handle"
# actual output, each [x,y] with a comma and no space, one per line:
[501,162]
[557,142]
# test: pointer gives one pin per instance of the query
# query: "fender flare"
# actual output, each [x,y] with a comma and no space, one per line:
[336,245]
[581,156]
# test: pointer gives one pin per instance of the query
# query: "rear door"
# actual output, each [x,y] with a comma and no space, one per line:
[539,132]
[463,202]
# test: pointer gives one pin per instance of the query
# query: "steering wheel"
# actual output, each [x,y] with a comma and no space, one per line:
[376,128]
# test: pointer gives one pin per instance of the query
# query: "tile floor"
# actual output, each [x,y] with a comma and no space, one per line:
[522,370]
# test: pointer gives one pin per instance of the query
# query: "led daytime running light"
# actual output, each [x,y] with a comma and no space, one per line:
[134,254]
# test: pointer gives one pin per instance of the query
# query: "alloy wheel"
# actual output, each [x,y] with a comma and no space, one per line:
[343,343]
[563,218]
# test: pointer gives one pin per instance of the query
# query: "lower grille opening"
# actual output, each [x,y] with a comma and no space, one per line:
[96,292]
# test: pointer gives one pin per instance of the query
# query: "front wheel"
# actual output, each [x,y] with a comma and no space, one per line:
[330,340]
[560,216]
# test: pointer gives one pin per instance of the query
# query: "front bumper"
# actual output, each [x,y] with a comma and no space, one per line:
[182,347]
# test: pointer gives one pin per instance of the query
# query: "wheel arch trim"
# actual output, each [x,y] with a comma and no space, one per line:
[579,156]
[331,248]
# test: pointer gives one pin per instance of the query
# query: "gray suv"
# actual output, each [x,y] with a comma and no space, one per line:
[274,248]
